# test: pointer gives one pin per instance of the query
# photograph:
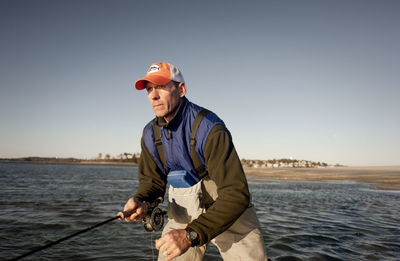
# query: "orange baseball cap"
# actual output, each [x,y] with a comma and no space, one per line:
[160,74]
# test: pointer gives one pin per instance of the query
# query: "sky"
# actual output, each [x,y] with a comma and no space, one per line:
[313,80]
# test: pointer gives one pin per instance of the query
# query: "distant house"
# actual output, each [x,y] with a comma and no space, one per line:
[282,163]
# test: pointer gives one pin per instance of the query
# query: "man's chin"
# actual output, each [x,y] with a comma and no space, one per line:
[159,114]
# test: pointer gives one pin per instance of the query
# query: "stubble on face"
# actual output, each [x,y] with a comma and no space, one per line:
[164,99]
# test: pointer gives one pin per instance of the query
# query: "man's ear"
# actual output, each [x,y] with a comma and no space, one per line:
[182,89]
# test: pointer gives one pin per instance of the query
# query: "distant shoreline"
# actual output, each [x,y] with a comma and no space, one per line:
[72,161]
[383,177]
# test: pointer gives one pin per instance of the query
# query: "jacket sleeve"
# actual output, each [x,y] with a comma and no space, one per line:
[152,181]
[225,169]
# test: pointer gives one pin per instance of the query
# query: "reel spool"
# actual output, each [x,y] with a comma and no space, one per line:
[154,220]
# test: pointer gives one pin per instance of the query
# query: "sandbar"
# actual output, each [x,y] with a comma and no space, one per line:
[385,178]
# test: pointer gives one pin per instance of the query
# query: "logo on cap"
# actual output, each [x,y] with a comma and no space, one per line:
[154,68]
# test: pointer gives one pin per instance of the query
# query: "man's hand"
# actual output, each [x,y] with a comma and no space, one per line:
[137,209]
[173,244]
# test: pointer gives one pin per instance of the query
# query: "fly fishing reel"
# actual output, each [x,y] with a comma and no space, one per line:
[154,220]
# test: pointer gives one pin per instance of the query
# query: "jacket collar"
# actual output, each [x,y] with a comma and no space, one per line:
[177,117]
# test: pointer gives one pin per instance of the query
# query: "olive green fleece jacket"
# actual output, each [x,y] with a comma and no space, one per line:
[224,168]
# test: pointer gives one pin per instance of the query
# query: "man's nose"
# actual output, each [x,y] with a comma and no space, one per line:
[154,95]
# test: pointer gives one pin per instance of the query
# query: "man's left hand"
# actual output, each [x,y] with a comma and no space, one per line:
[173,244]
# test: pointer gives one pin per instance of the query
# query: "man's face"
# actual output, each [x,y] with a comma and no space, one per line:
[165,99]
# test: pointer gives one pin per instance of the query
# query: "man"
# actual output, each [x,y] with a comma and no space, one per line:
[208,193]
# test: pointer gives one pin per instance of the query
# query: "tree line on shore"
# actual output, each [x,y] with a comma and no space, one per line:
[107,158]
[133,158]
[284,163]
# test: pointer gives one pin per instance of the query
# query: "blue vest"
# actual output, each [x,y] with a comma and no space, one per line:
[175,138]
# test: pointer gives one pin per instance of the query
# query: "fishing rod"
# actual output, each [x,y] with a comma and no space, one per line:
[153,221]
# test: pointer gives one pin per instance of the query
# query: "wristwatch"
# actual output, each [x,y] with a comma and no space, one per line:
[192,236]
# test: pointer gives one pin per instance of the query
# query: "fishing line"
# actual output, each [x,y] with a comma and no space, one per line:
[151,244]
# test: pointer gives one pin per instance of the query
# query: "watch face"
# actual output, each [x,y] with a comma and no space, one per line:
[192,235]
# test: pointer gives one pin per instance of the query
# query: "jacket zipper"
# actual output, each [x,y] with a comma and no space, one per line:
[170,145]
[168,139]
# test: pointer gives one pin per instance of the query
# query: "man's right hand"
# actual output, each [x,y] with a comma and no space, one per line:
[137,209]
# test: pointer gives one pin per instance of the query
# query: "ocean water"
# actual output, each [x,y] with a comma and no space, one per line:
[40,203]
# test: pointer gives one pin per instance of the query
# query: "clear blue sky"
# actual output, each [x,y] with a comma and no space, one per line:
[314,80]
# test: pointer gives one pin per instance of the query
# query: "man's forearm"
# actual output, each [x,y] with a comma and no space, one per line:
[226,171]
[152,182]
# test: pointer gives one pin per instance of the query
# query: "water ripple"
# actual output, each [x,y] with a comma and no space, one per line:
[40,203]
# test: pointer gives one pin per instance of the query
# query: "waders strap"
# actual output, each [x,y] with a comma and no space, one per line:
[159,145]
[197,164]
